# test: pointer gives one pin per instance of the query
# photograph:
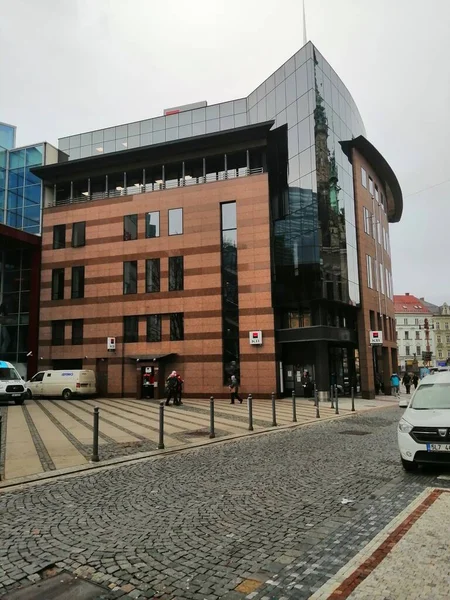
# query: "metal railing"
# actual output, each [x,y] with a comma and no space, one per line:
[158,186]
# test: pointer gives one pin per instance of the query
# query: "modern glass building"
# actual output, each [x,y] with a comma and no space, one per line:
[20,223]
[315,267]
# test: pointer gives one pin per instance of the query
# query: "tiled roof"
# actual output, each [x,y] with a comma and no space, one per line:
[410,304]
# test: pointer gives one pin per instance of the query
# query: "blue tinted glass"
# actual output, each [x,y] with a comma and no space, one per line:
[7,136]
[34,155]
[32,215]
[15,199]
[3,155]
[16,159]
[32,194]
[34,229]
[15,178]
[2,178]
[2,203]
[14,219]
[30,179]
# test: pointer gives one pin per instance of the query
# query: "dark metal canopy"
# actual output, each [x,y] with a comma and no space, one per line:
[136,158]
[150,357]
[382,168]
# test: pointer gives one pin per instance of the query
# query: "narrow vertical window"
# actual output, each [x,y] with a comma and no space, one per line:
[175,221]
[77,332]
[152,225]
[130,329]
[59,236]
[154,328]
[130,227]
[230,296]
[79,234]
[58,284]
[363,177]
[130,277]
[77,282]
[176,275]
[176,327]
[152,275]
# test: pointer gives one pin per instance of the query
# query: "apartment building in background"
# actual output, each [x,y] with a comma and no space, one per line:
[222,239]
[441,334]
[415,332]
[20,228]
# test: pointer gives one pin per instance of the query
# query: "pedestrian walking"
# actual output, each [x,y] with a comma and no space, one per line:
[307,384]
[234,389]
[407,382]
[415,381]
[171,388]
[180,383]
[395,383]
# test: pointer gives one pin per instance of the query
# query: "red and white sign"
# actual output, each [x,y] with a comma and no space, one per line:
[376,338]
[255,338]
[110,344]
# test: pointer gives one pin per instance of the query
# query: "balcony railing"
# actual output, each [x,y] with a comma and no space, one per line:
[158,186]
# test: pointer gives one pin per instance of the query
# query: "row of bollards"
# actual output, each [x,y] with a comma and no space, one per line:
[212,433]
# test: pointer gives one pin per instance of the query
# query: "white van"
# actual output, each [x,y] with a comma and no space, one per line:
[62,384]
[12,386]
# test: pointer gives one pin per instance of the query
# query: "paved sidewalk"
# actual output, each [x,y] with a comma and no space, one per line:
[410,558]
[48,435]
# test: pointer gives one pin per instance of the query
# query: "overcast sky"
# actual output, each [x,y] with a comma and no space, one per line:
[69,66]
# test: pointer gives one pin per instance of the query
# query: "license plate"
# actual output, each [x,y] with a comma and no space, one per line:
[438,447]
[15,395]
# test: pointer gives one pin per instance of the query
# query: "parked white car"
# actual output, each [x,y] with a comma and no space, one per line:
[424,430]
[12,386]
[62,384]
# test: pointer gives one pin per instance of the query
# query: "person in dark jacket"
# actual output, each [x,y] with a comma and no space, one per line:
[171,388]
[234,389]
[180,383]
[407,382]
[415,381]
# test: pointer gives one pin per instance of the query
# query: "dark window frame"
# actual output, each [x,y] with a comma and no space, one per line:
[79,225]
[155,261]
[77,332]
[176,327]
[126,237]
[125,291]
[147,224]
[127,338]
[58,294]
[176,273]
[78,290]
[58,245]
[153,327]
[58,337]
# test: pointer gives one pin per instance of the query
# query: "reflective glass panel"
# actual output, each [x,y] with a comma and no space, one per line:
[175,221]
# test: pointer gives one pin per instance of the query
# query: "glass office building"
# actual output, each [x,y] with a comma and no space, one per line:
[21,195]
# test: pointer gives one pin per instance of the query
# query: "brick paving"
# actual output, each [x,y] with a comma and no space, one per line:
[47,435]
[268,517]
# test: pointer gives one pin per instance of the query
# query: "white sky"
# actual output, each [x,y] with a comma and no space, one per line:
[69,66]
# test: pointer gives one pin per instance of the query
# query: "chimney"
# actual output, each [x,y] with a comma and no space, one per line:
[407,294]
[423,299]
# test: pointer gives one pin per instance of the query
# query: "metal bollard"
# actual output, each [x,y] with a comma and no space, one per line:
[161,426]
[212,433]
[332,397]
[0,443]
[294,408]
[250,412]
[317,406]
[353,399]
[95,457]
[336,412]
[274,411]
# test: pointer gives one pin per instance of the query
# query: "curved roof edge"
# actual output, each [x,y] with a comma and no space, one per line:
[382,168]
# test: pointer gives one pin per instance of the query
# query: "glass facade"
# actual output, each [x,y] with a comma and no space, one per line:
[7,136]
[230,295]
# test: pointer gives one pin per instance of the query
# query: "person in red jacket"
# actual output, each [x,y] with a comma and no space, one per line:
[179,391]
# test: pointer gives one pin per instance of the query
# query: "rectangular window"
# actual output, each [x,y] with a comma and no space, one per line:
[379,232]
[418,351]
[438,339]
[367,215]
[371,189]
[448,339]
[130,329]
[130,277]
[440,354]
[57,284]
[372,319]
[397,335]
[377,197]
[175,221]
[79,234]
[438,326]
[152,225]
[405,321]
[448,353]
[230,293]
[176,327]
[154,328]
[406,335]
[77,282]
[363,177]
[176,273]
[152,275]
[416,321]
[77,332]
[130,227]
[407,350]
[58,333]
[417,335]
[59,236]
[446,326]
[369,271]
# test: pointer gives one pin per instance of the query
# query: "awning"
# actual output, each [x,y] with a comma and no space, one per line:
[150,357]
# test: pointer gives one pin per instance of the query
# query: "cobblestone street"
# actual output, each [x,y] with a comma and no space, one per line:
[273,516]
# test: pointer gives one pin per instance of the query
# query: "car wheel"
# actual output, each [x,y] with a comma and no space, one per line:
[18,402]
[67,394]
[409,465]
[29,394]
